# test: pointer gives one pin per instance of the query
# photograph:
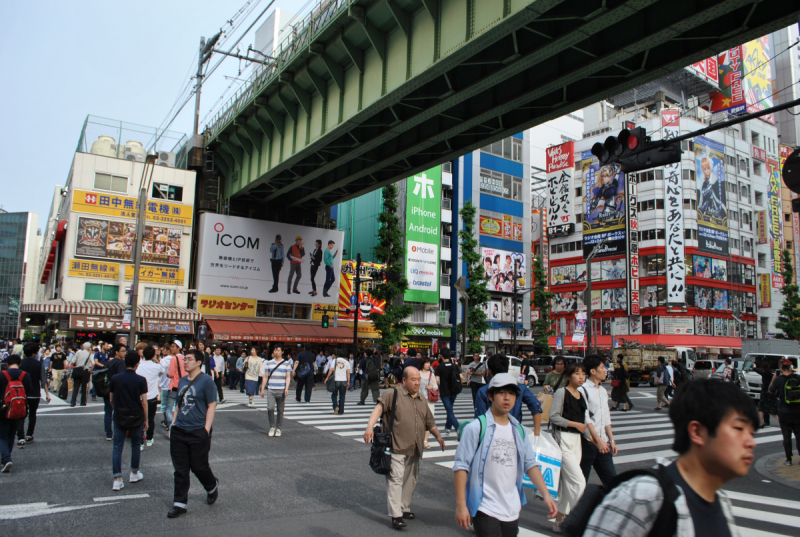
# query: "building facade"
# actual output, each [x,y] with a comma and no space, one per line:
[19,242]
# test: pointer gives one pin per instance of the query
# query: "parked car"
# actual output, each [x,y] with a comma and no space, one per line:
[704,368]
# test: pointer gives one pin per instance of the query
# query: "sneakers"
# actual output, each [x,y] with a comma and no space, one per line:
[787,463]
[118,485]
[447,432]
[176,511]
[138,476]
[556,526]
[141,446]
[21,443]
[6,468]
[223,401]
[28,439]
[150,443]
[212,496]
[277,432]
[271,431]
[109,438]
[336,410]
[657,409]
[250,405]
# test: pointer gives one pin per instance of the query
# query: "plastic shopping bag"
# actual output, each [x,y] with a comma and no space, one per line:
[548,455]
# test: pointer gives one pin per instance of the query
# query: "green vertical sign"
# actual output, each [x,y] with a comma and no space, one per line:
[423,237]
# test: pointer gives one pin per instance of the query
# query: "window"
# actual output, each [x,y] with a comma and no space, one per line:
[159,297]
[579,192]
[114,183]
[688,175]
[689,204]
[731,160]
[654,265]
[754,137]
[661,234]
[762,260]
[648,205]
[579,218]
[735,243]
[97,291]
[501,184]
[647,235]
[690,234]
[687,145]
[659,203]
[787,217]
[509,148]
[756,168]
[759,199]
[447,167]
[164,191]
[789,245]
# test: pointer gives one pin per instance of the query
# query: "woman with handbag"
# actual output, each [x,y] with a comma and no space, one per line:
[568,417]
[619,386]
[429,390]
[253,367]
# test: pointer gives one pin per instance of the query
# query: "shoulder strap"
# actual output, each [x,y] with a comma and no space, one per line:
[273,370]
[392,411]
[482,421]
[8,377]
[180,399]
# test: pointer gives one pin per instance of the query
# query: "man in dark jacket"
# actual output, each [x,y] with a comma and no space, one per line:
[38,378]
[8,427]
[371,377]
[788,412]
[316,262]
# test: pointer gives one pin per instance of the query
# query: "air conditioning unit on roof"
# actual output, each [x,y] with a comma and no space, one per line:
[166,158]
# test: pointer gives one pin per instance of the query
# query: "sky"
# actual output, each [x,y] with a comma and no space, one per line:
[62,61]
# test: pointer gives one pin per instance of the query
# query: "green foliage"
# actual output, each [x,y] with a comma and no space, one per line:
[789,315]
[27,335]
[477,290]
[391,252]
[541,300]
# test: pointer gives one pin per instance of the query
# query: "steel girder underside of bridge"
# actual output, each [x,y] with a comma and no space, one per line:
[387,88]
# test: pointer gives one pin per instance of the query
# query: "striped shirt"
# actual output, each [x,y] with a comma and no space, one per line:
[278,379]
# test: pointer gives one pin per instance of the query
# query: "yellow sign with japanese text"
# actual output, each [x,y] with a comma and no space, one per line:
[162,275]
[98,270]
[111,204]
[222,305]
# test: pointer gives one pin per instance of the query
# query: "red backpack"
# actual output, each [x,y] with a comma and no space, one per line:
[15,400]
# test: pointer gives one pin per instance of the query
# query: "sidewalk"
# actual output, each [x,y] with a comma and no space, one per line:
[771,466]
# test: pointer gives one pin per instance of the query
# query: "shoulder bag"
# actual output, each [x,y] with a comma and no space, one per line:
[330,384]
[380,458]
[457,386]
[615,382]
[433,394]
[273,370]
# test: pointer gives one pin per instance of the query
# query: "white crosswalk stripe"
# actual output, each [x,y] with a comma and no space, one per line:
[645,436]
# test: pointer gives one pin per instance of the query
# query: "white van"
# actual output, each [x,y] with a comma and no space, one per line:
[514,368]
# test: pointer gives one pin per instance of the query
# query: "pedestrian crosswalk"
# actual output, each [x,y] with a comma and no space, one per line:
[642,437]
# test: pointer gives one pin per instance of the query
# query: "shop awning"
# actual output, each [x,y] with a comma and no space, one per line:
[113,309]
[284,332]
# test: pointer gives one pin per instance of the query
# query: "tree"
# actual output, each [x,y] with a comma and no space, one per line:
[477,289]
[541,300]
[789,315]
[390,251]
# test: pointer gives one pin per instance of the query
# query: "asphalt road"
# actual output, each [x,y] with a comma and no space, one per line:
[314,480]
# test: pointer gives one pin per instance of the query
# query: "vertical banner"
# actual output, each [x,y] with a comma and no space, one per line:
[603,206]
[775,225]
[423,205]
[560,162]
[765,291]
[673,203]
[632,225]
[712,213]
[761,227]
[757,81]
[784,152]
[730,98]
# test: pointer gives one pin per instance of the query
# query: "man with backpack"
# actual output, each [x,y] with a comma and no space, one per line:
[370,365]
[38,375]
[496,365]
[488,473]
[15,385]
[714,425]
[786,387]
[663,380]
[304,373]
[82,364]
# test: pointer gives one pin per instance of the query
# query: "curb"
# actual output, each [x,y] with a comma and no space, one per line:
[761,468]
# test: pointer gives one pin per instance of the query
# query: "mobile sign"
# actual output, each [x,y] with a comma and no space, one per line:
[423,205]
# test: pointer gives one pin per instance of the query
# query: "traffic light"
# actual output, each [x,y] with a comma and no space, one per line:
[325,319]
[791,174]
[633,150]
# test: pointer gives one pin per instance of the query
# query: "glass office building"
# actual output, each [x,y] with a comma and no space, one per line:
[14,233]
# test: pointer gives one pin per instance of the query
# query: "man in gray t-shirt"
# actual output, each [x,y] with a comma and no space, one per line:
[190,435]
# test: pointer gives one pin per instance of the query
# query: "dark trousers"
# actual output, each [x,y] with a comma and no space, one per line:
[119,443]
[233,377]
[790,423]
[277,265]
[308,383]
[108,416]
[603,463]
[7,430]
[314,269]
[366,386]
[33,406]
[339,391]
[487,526]
[80,379]
[218,382]
[448,401]
[189,451]
[330,277]
[152,408]
[475,386]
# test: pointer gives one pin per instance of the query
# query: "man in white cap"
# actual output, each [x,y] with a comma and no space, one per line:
[175,373]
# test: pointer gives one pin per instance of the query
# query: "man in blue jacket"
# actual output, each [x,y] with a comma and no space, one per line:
[497,364]
[491,457]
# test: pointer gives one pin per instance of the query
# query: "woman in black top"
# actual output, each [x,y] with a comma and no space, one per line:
[768,404]
[618,393]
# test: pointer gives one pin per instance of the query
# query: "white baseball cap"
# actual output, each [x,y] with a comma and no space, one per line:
[504,380]
[178,343]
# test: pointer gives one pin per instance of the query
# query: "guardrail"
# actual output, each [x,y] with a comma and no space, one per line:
[302,35]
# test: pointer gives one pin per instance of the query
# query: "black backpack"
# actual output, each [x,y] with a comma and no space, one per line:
[665,524]
[372,372]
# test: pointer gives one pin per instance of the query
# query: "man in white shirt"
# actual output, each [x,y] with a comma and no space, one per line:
[163,384]
[152,371]
[600,450]
[340,368]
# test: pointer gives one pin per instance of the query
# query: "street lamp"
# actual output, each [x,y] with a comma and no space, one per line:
[587,297]
[150,162]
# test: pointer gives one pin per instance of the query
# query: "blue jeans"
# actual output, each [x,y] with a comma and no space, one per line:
[119,443]
[108,416]
[339,390]
[448,402]
[172,400]
[7,430]
[352,380]
[603,463]
[329,279]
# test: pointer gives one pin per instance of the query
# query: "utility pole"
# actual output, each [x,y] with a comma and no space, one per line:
[150,162]
[587,298]
[357,310]
[461,287]
[514,317]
